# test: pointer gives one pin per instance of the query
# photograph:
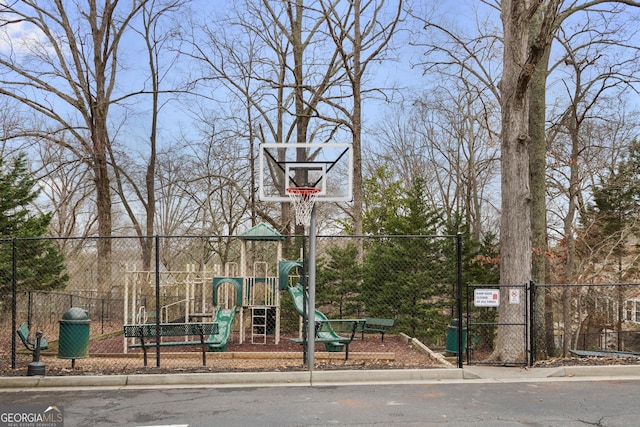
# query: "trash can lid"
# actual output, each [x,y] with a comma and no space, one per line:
[455,323]
[76,313]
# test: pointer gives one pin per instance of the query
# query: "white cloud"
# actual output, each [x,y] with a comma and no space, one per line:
[21,38]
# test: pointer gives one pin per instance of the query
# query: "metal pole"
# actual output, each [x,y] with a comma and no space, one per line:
[305,319]
[102,316]
[531,298]
[157,240]
[14,302]
[29,309]
[312,290]
[459,297]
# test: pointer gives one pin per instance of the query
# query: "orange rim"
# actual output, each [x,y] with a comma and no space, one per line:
[303,191]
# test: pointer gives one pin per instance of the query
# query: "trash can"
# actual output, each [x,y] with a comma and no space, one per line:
[452,336]
[74,334]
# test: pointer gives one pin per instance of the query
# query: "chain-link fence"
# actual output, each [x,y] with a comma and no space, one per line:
[551,320]
[485,322]
[588,319]
[228,302]
[235,303]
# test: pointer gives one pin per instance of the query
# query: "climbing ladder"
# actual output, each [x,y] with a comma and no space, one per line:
[258,325]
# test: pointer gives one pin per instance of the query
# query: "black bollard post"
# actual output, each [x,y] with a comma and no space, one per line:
[36,351]
[36,368]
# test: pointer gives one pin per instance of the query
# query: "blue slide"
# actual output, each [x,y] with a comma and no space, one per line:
[296,293]
[224,319]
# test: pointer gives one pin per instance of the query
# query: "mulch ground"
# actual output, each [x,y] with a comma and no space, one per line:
[107,358]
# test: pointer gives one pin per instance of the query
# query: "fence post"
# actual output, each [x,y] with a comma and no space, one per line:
[157,239]
[102,315]
[532,323]
[459,296]
[14,304]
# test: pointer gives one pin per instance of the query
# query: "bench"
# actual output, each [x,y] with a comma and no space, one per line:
[377,325]
[326,333]
[605,353]
[153,330]
[23,333]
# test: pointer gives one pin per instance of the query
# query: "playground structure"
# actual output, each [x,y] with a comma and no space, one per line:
[248,290]
[252,288]
[287,172]
[183,291]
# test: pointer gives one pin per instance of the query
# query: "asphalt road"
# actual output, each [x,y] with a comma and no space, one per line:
[556,403]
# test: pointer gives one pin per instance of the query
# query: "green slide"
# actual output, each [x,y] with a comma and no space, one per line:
[296,293]
[224,319]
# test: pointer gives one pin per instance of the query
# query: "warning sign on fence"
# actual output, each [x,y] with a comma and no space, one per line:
[486,297]
[514,296]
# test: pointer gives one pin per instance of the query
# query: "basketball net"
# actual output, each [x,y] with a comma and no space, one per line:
[303,199]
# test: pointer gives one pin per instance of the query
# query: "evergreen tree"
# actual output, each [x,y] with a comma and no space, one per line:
[412,278]
[39,263]
[406,278]
[480,259]
[383,201]
[339,279]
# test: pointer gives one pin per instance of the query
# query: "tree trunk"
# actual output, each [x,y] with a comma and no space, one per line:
[523,52]
[537,179]
[356,127]
[150,175]
[103,208]
[98,108]
[367,41]
[302,117]
[515,231]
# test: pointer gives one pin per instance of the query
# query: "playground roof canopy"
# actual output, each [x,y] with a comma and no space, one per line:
[261,231]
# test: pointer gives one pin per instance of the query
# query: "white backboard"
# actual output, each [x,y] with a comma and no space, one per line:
[327,166]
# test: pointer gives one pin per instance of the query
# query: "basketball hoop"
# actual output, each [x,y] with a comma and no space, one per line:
[302,199]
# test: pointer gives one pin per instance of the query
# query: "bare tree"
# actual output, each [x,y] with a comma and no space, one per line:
[68,191]
[215,185]
[445,138]
[538,149]
[155,31]
[272,87]
[66,73]
[592,76]
[361,34]
[461,115]
[236,79]
[457,53]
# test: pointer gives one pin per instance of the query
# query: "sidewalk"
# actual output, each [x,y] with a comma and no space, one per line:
[324,378]
[500,373]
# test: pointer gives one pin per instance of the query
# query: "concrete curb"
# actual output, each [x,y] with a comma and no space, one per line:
[318,378]
[239,379]
[385,376]
[63,381]
[598,371]
[219,379]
